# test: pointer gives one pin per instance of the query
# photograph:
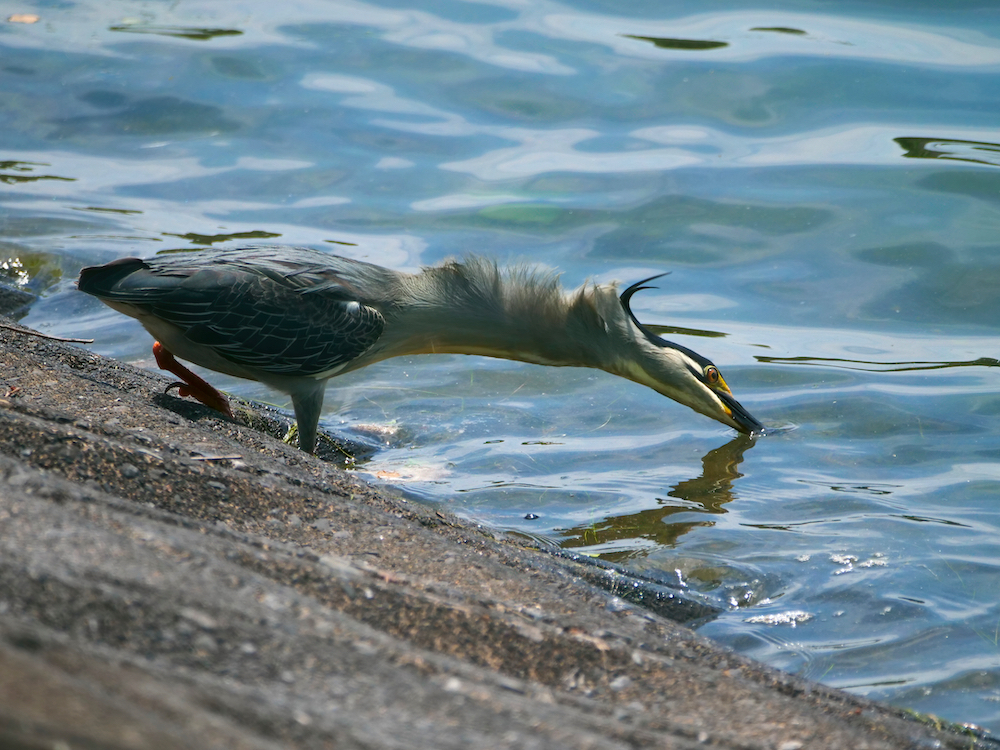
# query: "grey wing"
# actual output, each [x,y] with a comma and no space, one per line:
[282,310]
[253,321]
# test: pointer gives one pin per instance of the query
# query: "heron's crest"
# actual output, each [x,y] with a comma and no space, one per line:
[626,297]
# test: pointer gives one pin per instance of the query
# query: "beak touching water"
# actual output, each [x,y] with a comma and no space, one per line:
[744,421]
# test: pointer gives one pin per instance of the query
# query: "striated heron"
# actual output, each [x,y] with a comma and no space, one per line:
[292,318]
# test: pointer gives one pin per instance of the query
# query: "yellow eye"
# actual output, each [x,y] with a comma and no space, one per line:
[712,375]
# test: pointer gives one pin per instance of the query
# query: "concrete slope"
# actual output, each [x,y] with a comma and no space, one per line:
[169,578]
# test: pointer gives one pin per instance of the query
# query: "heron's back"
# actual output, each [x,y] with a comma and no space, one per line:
[289,311]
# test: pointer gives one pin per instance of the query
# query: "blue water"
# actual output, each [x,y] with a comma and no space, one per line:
[823,186]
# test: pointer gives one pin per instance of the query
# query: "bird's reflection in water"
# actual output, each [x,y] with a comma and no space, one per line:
[707,493]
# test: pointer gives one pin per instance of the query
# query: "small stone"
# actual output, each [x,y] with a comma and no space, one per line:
[617,605]
[620,683]
[202,619]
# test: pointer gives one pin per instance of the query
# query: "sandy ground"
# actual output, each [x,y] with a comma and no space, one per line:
[173,579]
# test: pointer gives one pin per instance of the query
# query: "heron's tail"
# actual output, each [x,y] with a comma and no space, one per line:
[101,280]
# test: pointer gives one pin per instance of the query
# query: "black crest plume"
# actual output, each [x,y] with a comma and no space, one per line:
[626,297]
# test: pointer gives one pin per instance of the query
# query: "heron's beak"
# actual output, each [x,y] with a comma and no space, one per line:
[744,421]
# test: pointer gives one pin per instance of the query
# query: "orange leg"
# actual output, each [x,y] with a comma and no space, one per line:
[191,384]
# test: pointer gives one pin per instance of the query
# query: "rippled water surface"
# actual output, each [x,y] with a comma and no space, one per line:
[824,188]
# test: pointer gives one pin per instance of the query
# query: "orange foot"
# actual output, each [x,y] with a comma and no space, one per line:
[192,385]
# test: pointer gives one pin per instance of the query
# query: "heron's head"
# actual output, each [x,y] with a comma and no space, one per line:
[681,374]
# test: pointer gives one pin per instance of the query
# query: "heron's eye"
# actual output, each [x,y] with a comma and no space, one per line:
[712,375]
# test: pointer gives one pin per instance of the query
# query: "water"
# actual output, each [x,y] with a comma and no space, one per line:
[823,187]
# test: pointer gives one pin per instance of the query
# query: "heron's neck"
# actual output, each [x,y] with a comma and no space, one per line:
[474,308]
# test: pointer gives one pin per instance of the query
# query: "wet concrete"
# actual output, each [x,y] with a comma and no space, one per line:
[170,578]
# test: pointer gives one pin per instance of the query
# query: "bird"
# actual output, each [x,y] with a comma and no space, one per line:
[293,317]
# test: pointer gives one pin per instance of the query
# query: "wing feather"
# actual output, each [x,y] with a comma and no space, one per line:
[293,313]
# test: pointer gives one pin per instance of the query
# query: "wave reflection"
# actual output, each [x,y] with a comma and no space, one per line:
[857,364]
[977,152]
